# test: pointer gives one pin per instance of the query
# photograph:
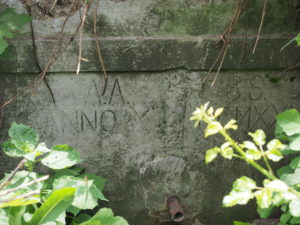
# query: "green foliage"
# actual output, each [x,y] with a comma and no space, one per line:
[276,191]
[10,22]
[28,198]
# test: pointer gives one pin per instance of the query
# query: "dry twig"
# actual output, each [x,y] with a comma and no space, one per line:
[86,9]
[53,57]
[260,26]
[100,58]
[8,179]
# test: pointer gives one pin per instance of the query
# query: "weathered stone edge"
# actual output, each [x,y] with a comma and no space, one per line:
[155,54]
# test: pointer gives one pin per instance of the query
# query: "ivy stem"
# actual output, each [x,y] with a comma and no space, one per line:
[250,161]
[266,160]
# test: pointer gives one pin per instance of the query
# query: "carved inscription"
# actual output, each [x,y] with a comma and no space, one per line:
[97,120]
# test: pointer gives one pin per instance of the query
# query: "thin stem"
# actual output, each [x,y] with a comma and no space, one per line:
[250,161]
[266,160]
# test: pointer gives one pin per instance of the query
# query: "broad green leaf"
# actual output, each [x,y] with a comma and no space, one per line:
[3,217]
[263,198]
[106,217]
[98,181]
[249,145]
[289,121]
[11,150]
[295,144]
[61,157]
[211,154]
[50,210]
[15,215]
[274,155]
[86,195]
[27,217]
[3,45]
[295,163]
[291,178]
[74,171]
[275,144]
[5,31]
[212,128]
[21,201]
[277,186]
[259,137]
[279,133]
[253,154]
[21,178]
[285,217]
[244,184]
[14,20]
[295,207]
[265,212]
[237,198]
[295,220]
[23,134]
[226,151]
[73,210]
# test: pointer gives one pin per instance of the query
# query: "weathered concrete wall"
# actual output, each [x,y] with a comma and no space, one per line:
[138,135]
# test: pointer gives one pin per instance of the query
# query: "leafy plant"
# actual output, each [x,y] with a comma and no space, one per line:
[281,191]
[28,198]
[10,22]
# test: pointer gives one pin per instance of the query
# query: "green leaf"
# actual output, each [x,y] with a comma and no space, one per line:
[291,178]
[86,194]
[295,207]
[23,134]
[3,45]
[226,151]
[237,197]
[298,39]
[275,144]
[11,150]
[3,217]
[265,212]
[285,217]
[259,137]
[15,215]
[274,155]
[50,210]
[231,125]
[295,143]
[98,181]
[295,220]
[21,178]
[277,186]
[244,184]
[14,20]
[5,31]
[289,121]
[105,216]
[61,157]
[211,154]
[295,163]
[212,128]
[254,154]
[263,198]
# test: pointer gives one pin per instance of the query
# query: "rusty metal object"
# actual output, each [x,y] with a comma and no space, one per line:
[175,210]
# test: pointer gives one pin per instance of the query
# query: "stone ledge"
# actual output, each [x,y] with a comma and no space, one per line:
[156,53]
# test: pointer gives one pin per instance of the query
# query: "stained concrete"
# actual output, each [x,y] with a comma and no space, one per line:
[138,134]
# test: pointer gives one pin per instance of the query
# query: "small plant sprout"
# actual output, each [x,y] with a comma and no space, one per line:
[274,192]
